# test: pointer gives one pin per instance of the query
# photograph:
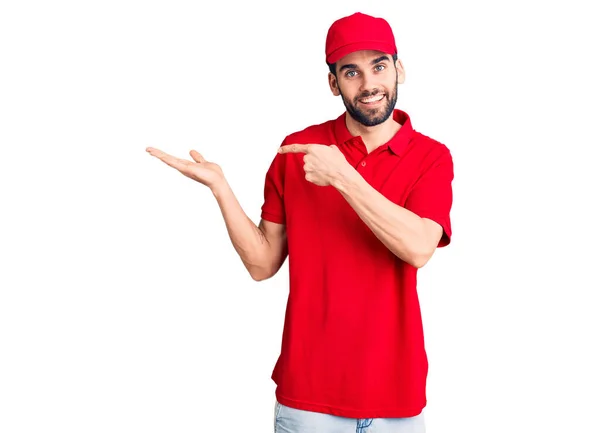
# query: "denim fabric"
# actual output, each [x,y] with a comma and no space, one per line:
[290,420]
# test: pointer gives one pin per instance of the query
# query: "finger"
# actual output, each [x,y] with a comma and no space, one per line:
[294,148]
[157,152]
[170,160]
[160,154]
[197,156]
[152,150]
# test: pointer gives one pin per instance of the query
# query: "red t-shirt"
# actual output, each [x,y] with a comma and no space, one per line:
[352,340]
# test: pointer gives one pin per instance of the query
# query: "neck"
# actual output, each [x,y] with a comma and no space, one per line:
[373,136]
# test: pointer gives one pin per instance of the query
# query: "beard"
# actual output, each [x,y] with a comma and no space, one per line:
[371,117]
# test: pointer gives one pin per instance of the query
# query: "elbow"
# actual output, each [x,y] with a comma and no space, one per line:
[418,263]
[265,270]
[259,277]
[420,259]
[258,274]
[257,270]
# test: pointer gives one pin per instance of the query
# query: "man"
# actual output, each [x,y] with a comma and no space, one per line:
[358,204]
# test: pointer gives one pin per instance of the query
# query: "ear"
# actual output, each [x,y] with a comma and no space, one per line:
[333,84]
[401,72]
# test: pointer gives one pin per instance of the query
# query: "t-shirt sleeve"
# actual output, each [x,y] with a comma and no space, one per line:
[431,197]
[273,208]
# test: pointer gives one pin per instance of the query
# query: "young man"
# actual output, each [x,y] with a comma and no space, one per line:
[358,204]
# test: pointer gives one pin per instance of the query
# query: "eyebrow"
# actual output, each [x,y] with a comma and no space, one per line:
[380,59]
[373,62]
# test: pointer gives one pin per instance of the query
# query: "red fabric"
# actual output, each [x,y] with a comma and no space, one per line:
[352,341]
[358,32]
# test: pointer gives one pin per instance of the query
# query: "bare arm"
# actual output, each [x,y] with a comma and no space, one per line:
[407,235]
[263,249]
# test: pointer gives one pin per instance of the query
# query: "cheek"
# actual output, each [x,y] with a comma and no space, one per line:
[391,82]
[350,89]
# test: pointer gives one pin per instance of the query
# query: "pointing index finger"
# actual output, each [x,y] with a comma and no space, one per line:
[294,148]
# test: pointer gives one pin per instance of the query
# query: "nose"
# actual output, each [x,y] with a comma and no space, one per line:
[369,82]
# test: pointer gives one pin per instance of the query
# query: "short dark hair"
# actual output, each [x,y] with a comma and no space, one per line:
[332,65]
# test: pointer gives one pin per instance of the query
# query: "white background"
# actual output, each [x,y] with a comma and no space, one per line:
[123,305]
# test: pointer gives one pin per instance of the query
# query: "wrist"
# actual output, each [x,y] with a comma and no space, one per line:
[345,178]
[220,188]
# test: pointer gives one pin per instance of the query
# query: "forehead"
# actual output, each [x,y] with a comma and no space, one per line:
[362,56]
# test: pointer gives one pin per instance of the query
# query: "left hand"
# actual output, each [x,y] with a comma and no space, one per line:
[323,164]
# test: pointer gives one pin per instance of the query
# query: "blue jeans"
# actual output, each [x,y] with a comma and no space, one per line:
[290,420]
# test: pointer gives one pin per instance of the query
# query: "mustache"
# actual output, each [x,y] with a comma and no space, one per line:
[369,94]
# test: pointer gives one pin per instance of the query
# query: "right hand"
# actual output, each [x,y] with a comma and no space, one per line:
[207,173]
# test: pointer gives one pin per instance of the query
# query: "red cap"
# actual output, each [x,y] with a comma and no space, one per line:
[358,32]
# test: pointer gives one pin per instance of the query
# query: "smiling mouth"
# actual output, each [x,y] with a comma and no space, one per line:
[372,100]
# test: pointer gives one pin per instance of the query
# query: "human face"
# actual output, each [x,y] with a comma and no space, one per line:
[368,83]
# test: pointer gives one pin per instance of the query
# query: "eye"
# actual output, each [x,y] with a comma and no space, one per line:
[350,74]
[379,68]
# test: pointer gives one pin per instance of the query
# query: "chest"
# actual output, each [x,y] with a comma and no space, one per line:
[391,175]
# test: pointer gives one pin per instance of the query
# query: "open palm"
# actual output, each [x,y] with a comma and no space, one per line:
[203,171]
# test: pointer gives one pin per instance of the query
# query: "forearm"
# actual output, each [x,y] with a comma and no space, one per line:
[400,230]
[248,240]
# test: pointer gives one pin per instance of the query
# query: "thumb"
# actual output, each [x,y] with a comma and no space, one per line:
[196,156]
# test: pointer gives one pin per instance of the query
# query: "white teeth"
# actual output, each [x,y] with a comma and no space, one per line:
[372,99]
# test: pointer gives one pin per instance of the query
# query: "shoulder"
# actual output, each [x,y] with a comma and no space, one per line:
[319,133]
[429,149]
